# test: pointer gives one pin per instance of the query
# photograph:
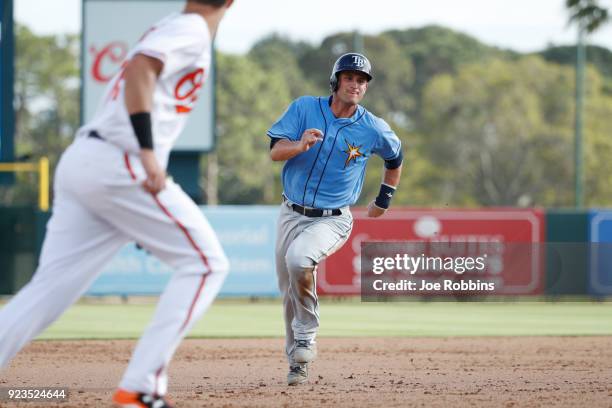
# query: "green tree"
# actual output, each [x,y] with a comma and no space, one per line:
[485,128]
[501,133]
[280,56]
[46,102]
[436,50]
[599,57]
[589,13]
[249,100]
[598,144]
[479,125]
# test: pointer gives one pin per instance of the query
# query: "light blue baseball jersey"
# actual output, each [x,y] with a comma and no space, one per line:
[331,173]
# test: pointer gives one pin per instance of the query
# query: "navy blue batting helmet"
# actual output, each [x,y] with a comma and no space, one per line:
[352,61]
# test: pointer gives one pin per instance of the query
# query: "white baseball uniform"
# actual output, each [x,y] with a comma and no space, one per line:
[100,205]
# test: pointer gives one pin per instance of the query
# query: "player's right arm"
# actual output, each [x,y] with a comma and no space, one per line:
[285,149]
[140,76]
[287,137]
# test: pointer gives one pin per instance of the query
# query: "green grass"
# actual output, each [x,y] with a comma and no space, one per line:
[238,318]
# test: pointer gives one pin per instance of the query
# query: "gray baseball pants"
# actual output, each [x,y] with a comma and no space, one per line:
[301,244]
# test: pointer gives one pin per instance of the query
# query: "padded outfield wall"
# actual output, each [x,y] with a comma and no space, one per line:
[575,256]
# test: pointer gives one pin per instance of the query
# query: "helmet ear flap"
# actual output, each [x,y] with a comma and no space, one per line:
[333,83]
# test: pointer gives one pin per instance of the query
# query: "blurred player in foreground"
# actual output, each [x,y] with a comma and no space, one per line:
[111,189]
[326,143]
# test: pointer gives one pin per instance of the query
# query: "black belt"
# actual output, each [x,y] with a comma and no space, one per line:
[313,212]
[95,135]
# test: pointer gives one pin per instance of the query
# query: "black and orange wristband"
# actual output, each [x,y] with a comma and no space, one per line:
[141,123]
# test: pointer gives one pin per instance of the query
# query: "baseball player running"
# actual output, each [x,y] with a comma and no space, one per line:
[326,143]
[111,188]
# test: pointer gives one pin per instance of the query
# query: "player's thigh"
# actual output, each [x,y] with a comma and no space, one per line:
[77,241]
[171,226]
[318,240]
[288,228]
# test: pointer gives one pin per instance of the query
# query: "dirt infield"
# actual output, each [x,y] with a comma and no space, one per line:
[351,372]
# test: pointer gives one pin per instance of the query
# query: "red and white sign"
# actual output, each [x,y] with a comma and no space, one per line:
[511,229]
[110,29]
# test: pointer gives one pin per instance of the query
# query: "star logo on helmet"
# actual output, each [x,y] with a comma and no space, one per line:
[352,153]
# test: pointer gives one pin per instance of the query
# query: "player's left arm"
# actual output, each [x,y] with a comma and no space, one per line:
[141,75]
[389,147]
[391,179]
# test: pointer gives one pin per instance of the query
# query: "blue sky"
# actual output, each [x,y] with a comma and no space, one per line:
[523,25]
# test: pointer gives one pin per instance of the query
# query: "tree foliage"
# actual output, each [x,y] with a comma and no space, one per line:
[249,99]
[501,131]
[479,125]
[46,102]
[599,57]
[588,13]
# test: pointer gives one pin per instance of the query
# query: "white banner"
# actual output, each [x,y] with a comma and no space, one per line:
[110,29]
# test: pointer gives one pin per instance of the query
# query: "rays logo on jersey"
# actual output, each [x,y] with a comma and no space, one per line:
[352,153]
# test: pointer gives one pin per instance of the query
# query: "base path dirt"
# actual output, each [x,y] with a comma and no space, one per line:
[350,372]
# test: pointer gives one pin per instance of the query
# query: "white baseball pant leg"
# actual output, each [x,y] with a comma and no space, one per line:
[174,230]
[77,245]
[302,243]
[106,184]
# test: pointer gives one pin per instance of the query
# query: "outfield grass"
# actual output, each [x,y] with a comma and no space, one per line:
[238,318]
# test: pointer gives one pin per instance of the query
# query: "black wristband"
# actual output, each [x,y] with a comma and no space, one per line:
[141,123]
[384,196]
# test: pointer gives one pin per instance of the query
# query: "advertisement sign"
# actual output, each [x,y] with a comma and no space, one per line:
[110,30]
[600,260]
[247,235]
[516,269]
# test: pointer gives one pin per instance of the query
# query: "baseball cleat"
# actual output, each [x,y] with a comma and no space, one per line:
[127,399]
[298,374]
[305,351]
